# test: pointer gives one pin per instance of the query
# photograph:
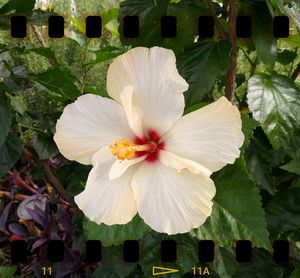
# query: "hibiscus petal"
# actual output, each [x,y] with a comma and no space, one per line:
[105,201]
[172,202]
[157,86]
[134,115]
[88,124]
[120,166]
[210,136]
[179,163]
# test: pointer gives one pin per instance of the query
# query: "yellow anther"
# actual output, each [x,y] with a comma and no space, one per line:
[123,149]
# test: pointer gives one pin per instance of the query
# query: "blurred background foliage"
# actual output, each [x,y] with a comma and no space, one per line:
[257,197]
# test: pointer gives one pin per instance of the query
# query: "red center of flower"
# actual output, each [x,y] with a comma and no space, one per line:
[154,146]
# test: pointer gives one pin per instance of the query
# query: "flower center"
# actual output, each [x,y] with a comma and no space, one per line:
[149,146]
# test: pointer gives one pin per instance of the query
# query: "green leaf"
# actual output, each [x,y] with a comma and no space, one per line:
[112,266]
[237,212]
[248,126]
[296,272]
[286,56]
[5,120]
[40,17]
[200,65]
[74,175]
[10,152]
[293,166]
[44,146]
[109,15]
[45,52]
[262,30]
[224,263]
[283,212]
[150,13]
[293,40]
[275,103]
[59,81]
[186,253]
[8,271]
[194,107]
[105,54]
[289,8]
[17,105]
[262,265]
[79,24]
[260,159]
[292,9]
[115,234]
[18,6]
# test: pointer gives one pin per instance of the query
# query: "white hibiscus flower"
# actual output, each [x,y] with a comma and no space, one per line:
[146,157]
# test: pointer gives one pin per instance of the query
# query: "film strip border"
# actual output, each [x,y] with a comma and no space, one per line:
[168,251]
[130,26]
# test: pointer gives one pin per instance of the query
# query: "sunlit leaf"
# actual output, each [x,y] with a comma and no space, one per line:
[275,103]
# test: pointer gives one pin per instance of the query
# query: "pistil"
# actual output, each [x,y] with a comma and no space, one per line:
[125,149]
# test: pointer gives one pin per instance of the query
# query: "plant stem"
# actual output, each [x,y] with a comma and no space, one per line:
[247,56]
[296,72]
[17,197]
[41,40]
[219,27]
[253,67]
[38,35]
[230,83]
[225,8]
[57,184]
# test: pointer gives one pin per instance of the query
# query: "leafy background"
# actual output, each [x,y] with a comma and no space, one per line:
[257,197]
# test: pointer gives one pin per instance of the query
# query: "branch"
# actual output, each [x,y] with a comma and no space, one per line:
[230,79]
[40,38]
[219,27]
[296,72]
[38,35]
[57,184]
[18,197]
[225,7]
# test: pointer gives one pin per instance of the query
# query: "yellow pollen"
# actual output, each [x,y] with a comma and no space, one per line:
[125,149]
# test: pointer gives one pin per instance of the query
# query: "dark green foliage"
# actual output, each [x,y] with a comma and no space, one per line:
[150,13]
[10,152]
[44,146]
[262,23]
[115,234]
[282,212]
[5,120]
[230,220]
[58,81]
[200,65]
